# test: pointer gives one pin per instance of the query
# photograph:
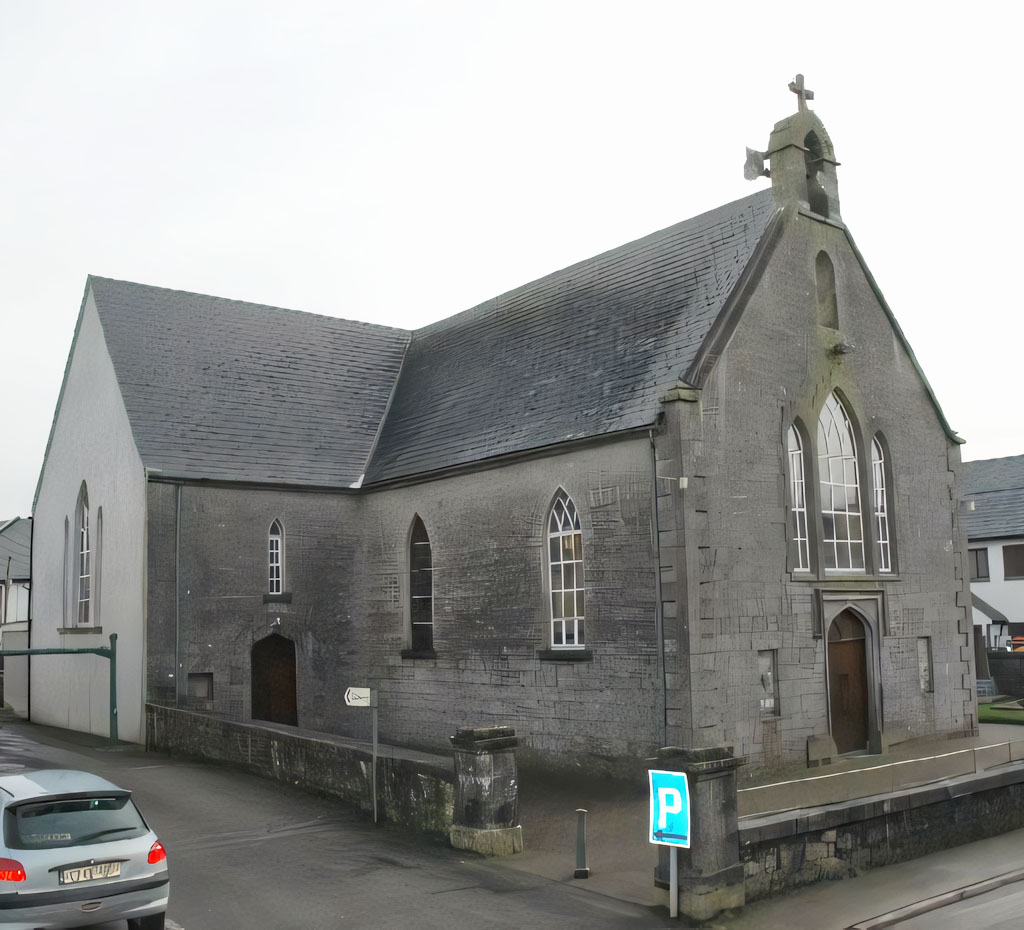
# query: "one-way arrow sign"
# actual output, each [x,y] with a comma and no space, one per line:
[357,697]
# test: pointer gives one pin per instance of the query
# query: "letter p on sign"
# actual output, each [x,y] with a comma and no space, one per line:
[670,809]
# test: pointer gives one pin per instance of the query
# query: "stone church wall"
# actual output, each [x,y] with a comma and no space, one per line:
[743,596]
[346,577]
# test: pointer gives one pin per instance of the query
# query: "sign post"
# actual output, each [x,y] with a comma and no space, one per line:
[367,697]
[670,823]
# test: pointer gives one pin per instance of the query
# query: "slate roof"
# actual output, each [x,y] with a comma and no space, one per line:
[583,352]
[15,544]
[996,486]
[228,390]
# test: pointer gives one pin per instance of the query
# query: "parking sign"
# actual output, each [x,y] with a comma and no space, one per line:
[670,809]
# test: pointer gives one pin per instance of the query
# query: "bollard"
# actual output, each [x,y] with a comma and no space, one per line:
[581,845]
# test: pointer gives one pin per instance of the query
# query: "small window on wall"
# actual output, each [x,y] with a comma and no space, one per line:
[977,560]
[565,559]
[1013,562]
[421,589]
[768,691]
[200,686]
[924,663]
[275,558]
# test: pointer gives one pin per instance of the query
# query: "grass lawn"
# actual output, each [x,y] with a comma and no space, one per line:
[989,714]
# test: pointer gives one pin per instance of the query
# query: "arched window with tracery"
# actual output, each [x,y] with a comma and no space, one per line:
[798,536]
[842,530]
[565,560]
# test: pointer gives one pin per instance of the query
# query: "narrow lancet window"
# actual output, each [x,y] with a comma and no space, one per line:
[842,532]
[565,559]
[275,558]
[881,507]
[421,588]
[84,562]
[798,504]
[825,280]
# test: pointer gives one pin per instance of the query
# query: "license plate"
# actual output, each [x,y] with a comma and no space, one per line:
[88,873]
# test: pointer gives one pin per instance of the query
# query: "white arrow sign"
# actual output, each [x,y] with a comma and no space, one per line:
[357,697]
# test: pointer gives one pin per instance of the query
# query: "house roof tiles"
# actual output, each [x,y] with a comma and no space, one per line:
[995,487]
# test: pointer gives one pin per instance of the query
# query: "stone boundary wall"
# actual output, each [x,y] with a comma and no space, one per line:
[413,790]
[785,851]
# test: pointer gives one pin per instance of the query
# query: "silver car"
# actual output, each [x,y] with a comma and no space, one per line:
[75,851]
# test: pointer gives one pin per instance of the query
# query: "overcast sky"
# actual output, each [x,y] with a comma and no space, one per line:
[397,162]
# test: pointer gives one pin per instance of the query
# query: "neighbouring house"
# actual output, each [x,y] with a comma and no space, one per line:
[994,517]
[15,583]
[693,491]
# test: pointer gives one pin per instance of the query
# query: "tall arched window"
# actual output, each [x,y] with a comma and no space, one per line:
[880,509]
[421,588]
[565,559]
[842,532]
[275,558]
[83,562]
[801,559]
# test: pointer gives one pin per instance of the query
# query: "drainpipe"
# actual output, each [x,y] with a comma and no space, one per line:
[659,619]
[179,661]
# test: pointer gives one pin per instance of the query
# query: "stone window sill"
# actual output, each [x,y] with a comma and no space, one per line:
[79,629]
[418,654]
[285,598]
[565,655]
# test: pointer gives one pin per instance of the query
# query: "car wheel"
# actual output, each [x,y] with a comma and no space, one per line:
[152,922]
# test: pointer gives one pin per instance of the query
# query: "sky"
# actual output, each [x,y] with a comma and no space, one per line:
[398,161]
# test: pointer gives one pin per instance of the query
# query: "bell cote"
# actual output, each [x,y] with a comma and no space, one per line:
[803,164]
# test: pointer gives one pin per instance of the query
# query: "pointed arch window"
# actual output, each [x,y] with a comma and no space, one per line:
[880,508]
[275,558]
[825,279]
[565,560]
[83,561]
[799,540]
[842,530]
[421,588]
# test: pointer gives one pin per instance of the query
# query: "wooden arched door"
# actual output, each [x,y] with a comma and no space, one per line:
[848,682]
[273,680]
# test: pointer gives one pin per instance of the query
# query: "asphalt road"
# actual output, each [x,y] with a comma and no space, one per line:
[249,854]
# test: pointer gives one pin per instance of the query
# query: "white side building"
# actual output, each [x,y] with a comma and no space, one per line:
[994,517]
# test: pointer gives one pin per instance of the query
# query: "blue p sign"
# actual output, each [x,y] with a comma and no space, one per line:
[670,809]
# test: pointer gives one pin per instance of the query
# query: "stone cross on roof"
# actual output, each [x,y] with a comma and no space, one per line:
[802,94]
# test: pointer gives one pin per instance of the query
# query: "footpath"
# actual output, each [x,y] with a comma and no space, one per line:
[622,862]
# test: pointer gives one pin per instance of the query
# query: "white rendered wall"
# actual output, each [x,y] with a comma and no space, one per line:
[92,441]
[1005,596]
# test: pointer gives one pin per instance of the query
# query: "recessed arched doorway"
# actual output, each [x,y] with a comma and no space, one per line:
[273,681]
[848,682]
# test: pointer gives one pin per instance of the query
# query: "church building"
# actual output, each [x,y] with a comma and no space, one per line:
[694,491]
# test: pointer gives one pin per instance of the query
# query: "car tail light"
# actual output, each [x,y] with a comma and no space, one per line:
[157,853]
[12,871]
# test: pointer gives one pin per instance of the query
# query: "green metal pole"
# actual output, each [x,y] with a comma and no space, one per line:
[113,686]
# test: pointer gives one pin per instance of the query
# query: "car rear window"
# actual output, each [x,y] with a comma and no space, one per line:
[74,822]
